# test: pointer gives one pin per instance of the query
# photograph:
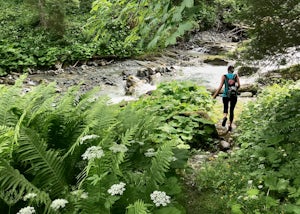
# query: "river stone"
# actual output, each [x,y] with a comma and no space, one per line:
[224,145]
[246,94]
[137,87]
[155,78]
[253,88]
[216,61]
[247,71]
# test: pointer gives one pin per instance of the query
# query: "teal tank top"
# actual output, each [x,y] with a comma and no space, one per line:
[229,76]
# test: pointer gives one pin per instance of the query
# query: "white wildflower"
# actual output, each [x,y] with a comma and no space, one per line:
[261,166]
[84,195]
[250,182]
[254,197]
[260,186]
[76,192]
[141,143]
[80,194]
[117,189]
[150,152]
[88,137]
[173,158]
[29,196]
[92,153]
[118,148]
[160,198]
[26,210]
[58,203]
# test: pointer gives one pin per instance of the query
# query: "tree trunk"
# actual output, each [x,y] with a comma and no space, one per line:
[42,12]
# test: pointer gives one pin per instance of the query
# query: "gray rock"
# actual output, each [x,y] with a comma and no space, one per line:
[246,94]
[216,61]
[224,145]
[247,71]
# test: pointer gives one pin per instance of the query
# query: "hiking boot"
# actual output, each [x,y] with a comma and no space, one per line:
[224,121]
[229,128]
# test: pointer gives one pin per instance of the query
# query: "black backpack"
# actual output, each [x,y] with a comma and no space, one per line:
[232,89]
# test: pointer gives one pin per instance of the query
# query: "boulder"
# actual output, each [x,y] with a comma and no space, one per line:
[224,145]
[216,61]
[247,71]
[137,87]
[253,88]
[246,94]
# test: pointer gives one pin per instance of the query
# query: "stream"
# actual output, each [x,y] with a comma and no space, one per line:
[180,64]
[113,77]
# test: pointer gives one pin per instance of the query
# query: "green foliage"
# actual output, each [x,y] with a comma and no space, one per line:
[41,34]
[273,26]
[183,109]
[262,176]
[137,208]
[144,24]
[44,140]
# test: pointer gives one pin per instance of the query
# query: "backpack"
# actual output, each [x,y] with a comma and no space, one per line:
[232,89]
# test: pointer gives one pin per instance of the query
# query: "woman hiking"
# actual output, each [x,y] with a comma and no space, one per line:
[232,84]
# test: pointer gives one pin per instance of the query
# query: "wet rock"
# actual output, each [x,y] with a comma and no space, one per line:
[216,61]
[247,71]
[246,94]
[127,73]
[137,87]
[145,72]
[253,88]
[224,145]
[155,78]
[196,161]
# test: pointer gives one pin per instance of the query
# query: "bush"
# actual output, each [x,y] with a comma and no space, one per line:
[76,153]
[262,176]
[183,109]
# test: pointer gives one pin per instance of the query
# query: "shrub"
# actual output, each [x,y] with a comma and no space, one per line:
[262,176]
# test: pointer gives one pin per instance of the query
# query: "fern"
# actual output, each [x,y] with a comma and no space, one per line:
[161,162]
[6,137]
[10,98]
[139,207]
[45,165]
[11,179]
[118,158]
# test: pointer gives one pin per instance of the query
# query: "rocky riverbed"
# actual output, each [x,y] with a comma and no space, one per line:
[200,60]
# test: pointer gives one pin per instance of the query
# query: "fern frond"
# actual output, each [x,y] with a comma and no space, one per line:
[102,117]
[46,165]
[42,100]
[139,207]
[98,119]
[161,162]
[6,139]
[187,3]
[11,179]
[126,140]
[9,102]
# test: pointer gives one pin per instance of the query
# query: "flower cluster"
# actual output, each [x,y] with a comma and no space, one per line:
[26,210]
[118,148]
[150,152]
[29,196]
[58,203]
[80,194]
[117,189]
[160,198]
[92,153]
[88,137]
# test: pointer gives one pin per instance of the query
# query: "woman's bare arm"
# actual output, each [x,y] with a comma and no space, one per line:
[238,81]
[220,87]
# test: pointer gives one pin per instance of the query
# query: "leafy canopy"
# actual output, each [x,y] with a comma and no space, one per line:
[273,25]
